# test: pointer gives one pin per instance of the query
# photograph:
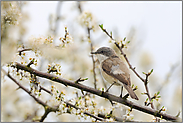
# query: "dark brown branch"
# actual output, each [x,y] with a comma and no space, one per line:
[48,109]
[42,88]
[31,62]
[81,96]
[111,97]
[52,69]
[147,90]
[80,80]
[20,51]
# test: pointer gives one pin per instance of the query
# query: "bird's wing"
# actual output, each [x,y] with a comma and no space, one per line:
[117,69]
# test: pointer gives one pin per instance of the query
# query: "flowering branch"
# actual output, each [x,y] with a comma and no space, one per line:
[122,53]
[132,68]
[91,47]
[106,95]
[86,113]
[47,108]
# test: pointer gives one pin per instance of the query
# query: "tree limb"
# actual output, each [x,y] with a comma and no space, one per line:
[111,97]
[48,109]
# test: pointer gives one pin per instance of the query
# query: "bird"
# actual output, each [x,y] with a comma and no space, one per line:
[114,70]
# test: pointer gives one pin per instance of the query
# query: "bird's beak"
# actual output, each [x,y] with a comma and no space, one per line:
[93,52]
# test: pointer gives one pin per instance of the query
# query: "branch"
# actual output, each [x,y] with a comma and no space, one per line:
[20,51]
[122,53]
[48,109]
[86,113]
[169,74]
[57,18]
[147,89]
[42,88]
[132,68]
[119,119]
[79,6]
[91,48]
[111,97]
[99,115]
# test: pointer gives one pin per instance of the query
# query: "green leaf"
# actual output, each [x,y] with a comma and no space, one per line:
[136,87]
[158,96]
[79,97]
[152,100]
[124,39]
[102,89]
[158,93]
[111,33]
[143,72]
[101,26]
[151,71]
[128,42]
[82,92]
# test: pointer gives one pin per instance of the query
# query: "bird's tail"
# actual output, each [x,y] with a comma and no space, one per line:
[131,92]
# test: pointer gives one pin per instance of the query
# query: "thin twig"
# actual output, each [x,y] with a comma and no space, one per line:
[57,18]
[99,115]
[20,51]
[87,113]
[42,88]
[172,69]
[122,53]
[147,90]
[91,48]
[31,62]
[79,6]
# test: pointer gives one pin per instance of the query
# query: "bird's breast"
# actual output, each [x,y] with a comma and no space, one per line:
[110,79]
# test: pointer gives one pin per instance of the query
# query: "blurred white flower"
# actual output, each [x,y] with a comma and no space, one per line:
[87,19]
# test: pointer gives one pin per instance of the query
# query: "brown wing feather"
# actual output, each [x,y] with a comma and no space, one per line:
[107,65]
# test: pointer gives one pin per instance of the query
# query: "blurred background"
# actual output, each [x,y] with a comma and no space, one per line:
[153,28]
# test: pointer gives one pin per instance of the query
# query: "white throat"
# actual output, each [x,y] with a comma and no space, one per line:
[101,58]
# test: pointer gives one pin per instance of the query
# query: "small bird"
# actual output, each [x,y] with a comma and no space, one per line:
[114,70]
